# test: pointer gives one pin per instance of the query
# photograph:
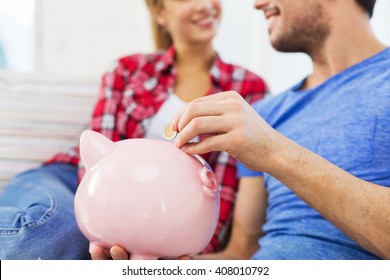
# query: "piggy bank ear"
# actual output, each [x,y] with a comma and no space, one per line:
[93,147]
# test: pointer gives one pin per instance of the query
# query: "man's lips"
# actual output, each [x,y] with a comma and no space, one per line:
[270,12]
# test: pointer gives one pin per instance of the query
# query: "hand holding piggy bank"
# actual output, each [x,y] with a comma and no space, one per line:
[147,196]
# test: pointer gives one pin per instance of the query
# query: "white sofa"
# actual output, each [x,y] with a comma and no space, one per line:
[40,116]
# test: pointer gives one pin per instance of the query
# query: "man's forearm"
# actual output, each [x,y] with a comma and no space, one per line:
[358,208]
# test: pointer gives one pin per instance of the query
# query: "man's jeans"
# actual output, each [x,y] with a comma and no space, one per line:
[37,216]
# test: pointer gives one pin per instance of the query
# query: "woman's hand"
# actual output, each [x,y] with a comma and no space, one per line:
[115,253]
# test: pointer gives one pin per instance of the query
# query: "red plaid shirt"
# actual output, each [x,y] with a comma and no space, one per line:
[131,94]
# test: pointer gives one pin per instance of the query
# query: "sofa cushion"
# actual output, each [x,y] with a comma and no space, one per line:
[40,116]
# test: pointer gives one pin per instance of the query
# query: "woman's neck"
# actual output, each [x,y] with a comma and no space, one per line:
[194,58]
[193,67]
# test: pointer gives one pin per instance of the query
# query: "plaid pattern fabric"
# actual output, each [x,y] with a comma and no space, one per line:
[131,94]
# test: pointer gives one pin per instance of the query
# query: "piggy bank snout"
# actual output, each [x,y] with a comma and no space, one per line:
[210,184]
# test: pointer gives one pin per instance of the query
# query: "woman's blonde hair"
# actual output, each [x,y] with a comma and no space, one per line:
[162,39]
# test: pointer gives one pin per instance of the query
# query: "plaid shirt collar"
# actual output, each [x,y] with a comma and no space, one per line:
[167,60]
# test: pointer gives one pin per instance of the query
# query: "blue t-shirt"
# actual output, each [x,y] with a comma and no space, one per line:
[346,120]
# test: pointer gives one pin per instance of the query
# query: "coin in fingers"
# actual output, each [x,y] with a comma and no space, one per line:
[168,133]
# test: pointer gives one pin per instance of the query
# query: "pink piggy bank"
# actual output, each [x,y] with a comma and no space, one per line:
[147,196]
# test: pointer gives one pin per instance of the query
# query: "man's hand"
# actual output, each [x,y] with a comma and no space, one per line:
[232,125]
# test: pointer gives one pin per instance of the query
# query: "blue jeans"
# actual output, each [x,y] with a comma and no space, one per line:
[37,218]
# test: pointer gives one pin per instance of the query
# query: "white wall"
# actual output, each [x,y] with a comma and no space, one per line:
[83,37]
[381,20]
[17,33]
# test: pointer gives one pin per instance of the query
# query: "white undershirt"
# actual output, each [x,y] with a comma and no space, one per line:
[164,115]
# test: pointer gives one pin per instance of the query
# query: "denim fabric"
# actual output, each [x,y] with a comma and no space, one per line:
[37,218]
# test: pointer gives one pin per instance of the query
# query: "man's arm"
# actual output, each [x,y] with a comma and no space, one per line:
[358,208]
[248,219]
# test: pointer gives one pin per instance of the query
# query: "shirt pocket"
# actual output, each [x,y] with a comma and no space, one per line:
[347,144]
[381,144]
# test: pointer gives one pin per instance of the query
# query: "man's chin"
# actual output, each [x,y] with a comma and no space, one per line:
[287,46]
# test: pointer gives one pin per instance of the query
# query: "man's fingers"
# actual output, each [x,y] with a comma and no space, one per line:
[217,96]
[208,125]
[205,105]
[194,110]
[209,144]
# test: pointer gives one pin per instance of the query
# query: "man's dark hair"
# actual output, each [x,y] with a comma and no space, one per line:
[367,5]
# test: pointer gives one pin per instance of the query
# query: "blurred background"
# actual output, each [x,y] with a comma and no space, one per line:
[81,38]
[53,53]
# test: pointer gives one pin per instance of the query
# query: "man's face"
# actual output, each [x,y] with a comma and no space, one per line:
[295,25]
